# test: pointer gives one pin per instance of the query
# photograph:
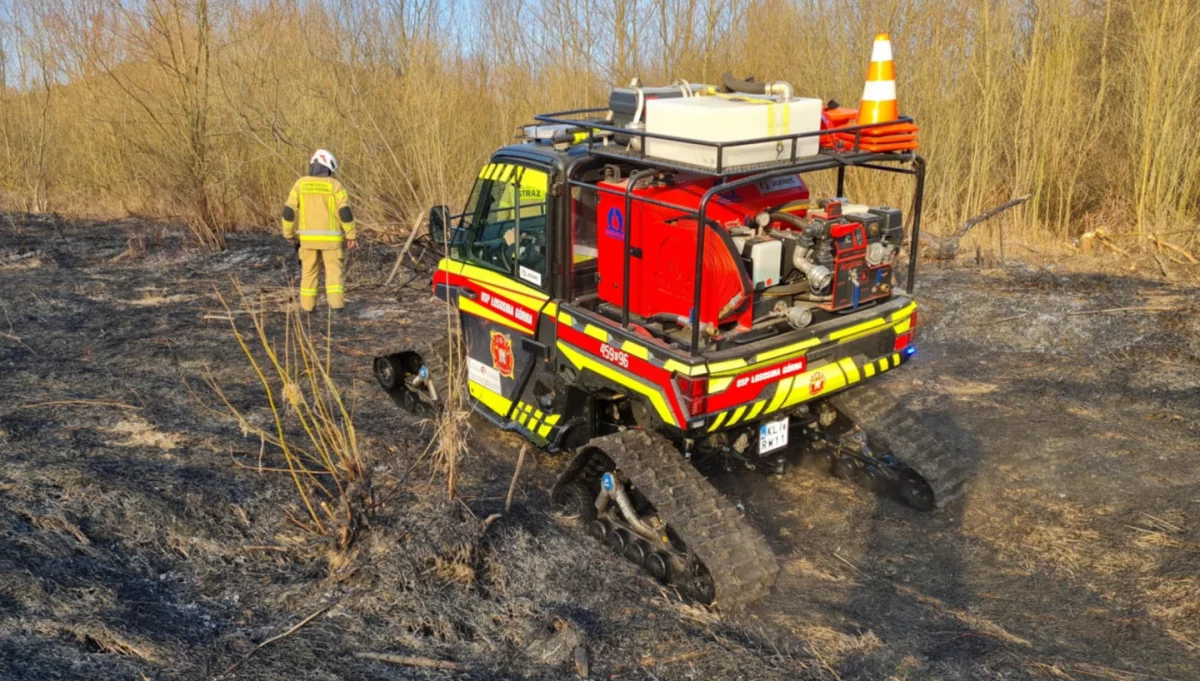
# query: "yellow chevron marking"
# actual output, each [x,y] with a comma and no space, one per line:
[685,369]
[727,365]
[850,369]
[717,423]
[781,393]
[596,332]
[737,414]
[489,399]
[758,406]
[716,385]
[636,350]
[905,311]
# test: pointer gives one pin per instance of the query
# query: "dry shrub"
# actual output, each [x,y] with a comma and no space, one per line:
[309,422]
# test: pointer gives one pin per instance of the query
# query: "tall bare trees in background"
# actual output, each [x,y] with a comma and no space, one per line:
[207,109]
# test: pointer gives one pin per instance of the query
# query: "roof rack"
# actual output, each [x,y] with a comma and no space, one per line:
[598,145]
[733,177]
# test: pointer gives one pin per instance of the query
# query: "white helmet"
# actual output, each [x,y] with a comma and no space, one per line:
[325,158]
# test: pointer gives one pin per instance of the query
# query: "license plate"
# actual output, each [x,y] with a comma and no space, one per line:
[772,435]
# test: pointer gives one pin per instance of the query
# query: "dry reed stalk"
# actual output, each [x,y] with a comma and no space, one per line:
[452,421]
[512,486]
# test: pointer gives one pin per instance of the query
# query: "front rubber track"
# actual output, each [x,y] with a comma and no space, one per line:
[939,452]
[741,564]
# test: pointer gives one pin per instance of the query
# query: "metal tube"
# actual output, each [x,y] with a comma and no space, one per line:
[889,169]
[918,200]
[701,233]
[841,181]
[628,228]
[562,235]
[642,135]
[617,493]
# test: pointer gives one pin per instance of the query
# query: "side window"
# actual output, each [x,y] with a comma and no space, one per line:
[532,262]
[505,222]
[584,272]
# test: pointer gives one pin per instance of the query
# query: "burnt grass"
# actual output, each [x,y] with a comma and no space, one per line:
[138,542]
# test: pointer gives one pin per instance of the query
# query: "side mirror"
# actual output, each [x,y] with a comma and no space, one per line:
[439,224]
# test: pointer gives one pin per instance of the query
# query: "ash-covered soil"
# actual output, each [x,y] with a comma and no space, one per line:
[138,542]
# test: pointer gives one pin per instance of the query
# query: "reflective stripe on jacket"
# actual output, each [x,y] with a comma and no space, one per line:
[316,202]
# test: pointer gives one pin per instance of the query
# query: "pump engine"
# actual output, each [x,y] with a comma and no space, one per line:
[845,257]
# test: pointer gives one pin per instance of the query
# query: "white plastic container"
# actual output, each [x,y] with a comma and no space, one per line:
[719,119]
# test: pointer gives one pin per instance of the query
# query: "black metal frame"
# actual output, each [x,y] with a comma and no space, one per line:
[825,160]
[591,127]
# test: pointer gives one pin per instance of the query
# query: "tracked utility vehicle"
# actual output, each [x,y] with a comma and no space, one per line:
[662,305]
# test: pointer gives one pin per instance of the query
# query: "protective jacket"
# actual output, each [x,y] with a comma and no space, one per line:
[320,208]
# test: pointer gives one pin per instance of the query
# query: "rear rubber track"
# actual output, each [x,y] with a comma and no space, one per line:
[940,453]
[738,559]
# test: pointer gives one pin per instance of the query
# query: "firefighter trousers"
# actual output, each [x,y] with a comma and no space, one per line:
[310,272]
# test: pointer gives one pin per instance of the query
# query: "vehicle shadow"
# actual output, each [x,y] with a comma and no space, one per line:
[1033,571]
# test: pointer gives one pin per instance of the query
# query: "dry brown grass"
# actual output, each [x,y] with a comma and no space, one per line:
[136,432]
[208,109]
[1176,604]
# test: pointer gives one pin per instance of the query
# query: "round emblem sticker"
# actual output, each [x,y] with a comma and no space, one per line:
[502,354]
[817,383]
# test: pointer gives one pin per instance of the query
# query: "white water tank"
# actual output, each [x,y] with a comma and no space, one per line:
[721,119]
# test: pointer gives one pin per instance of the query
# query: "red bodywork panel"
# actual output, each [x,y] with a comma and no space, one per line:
[663,246]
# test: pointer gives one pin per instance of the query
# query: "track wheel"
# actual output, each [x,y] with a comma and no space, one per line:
[658,564]
[711,553]
[576,500]
[417,380]
[618,539]
[915,492]
[599,529]
[389,371]
[637,551]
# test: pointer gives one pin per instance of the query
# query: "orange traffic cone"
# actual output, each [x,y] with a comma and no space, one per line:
[879,94]
[879,108]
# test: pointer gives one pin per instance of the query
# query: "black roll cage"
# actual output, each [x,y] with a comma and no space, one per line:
[854,156]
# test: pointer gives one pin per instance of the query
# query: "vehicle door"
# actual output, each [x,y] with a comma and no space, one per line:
[504,283]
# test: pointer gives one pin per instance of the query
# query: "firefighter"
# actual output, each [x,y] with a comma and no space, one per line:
[321,207]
